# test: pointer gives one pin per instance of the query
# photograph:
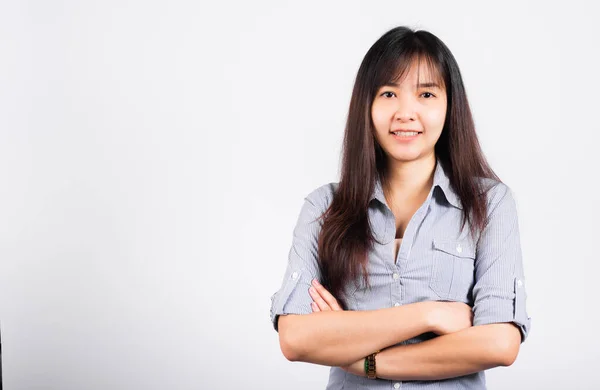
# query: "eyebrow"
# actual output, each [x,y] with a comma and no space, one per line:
[420,85]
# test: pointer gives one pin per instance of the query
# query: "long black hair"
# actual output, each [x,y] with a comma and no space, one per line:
[346,237]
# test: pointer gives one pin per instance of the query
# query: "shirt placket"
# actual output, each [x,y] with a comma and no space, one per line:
[398,291]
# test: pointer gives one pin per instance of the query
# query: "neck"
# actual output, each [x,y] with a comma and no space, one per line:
[409,180]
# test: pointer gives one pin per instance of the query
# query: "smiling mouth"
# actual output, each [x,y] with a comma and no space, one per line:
[403,133]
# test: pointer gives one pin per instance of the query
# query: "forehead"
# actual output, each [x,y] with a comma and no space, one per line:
[418,71]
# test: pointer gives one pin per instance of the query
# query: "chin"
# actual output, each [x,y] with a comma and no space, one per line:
[405,157]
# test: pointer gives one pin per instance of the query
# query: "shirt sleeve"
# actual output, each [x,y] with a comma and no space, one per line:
[499,292]
[302,267]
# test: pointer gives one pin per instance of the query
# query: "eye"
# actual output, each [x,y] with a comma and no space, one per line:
[429,95]
[386,93]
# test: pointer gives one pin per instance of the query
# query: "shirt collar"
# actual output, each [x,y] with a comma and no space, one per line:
[440,179]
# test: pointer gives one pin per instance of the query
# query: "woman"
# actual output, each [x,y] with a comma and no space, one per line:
[410,267]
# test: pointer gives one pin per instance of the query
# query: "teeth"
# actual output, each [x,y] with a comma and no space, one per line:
[406,133]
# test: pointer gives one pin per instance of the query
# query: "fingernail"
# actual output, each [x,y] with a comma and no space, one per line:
[312,290]
[315,282]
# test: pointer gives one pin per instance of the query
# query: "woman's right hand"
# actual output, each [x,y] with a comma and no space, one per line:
[449,317]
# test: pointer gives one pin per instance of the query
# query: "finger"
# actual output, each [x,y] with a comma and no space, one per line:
[315,307]
[325,298]
[326,295]
[318,300]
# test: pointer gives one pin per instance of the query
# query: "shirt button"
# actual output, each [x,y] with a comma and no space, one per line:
[397,304]
[459,248]
[295,275]
[519,282]
[396,276]
[396,385]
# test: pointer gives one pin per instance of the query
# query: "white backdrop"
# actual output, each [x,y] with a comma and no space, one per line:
[154,157]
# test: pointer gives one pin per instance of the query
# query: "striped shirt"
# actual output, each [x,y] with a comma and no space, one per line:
[437,261]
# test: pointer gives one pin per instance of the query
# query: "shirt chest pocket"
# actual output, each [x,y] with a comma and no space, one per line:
[452,270]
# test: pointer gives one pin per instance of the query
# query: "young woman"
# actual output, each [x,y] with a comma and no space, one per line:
[408,272]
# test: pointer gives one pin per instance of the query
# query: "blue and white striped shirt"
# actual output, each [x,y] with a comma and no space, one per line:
[437,261]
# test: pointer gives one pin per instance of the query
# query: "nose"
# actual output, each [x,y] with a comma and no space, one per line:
[405,111]
[405,118]
[403,115]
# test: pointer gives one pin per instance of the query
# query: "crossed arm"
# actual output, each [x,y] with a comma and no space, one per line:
[333,337]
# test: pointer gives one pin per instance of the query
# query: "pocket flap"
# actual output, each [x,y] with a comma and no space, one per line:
[455,248]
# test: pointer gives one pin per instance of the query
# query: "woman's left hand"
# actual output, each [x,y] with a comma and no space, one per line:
[322,299]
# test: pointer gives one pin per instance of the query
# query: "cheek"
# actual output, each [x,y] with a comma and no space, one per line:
[435,118]
[376,113]
[380,119]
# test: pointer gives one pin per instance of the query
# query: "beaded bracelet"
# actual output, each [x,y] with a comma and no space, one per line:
[370,369]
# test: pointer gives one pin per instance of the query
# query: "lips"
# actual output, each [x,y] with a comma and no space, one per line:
[405,131]
[405,135]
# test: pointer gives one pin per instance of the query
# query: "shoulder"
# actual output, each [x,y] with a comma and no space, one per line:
[315,204]
[498,194]
[322,196]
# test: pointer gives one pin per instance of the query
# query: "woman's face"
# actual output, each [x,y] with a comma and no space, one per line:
[417,112]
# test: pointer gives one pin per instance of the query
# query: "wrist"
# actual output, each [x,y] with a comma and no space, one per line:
[370,365]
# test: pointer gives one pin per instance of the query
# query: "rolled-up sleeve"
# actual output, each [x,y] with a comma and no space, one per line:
[293,296]
[499,292]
